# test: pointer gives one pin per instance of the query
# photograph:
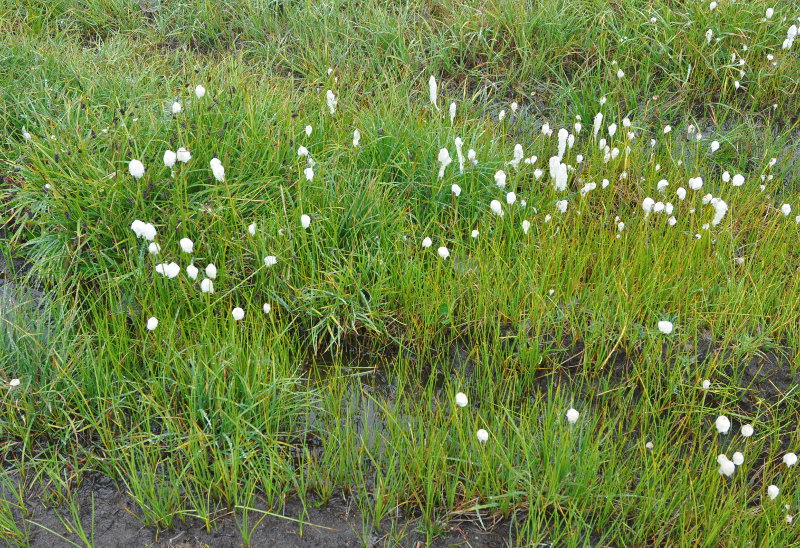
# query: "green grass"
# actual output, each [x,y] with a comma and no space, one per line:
[348,384]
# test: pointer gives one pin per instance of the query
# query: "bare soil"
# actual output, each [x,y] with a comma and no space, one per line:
[333,525]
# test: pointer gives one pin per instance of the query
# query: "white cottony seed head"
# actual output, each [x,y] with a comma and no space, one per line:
[572,415]
[136,169]
[330,98]
[444,161]
[727,467]
[183,155]
[148,232]
[218,170]
[433,92]
[496,207]
[187,245]
[170,158]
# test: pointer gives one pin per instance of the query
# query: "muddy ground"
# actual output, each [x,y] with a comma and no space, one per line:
[336,524]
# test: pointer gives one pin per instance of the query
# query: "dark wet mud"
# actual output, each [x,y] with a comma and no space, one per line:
[336,524]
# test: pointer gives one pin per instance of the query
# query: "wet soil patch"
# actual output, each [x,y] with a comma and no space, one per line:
[767,377]
[336,524]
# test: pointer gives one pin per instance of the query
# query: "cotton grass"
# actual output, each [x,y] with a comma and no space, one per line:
[722,424]
[496,207]
[572,415]
[726,466]
[136,169]
[217,169]
[169,158]
[187,246]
